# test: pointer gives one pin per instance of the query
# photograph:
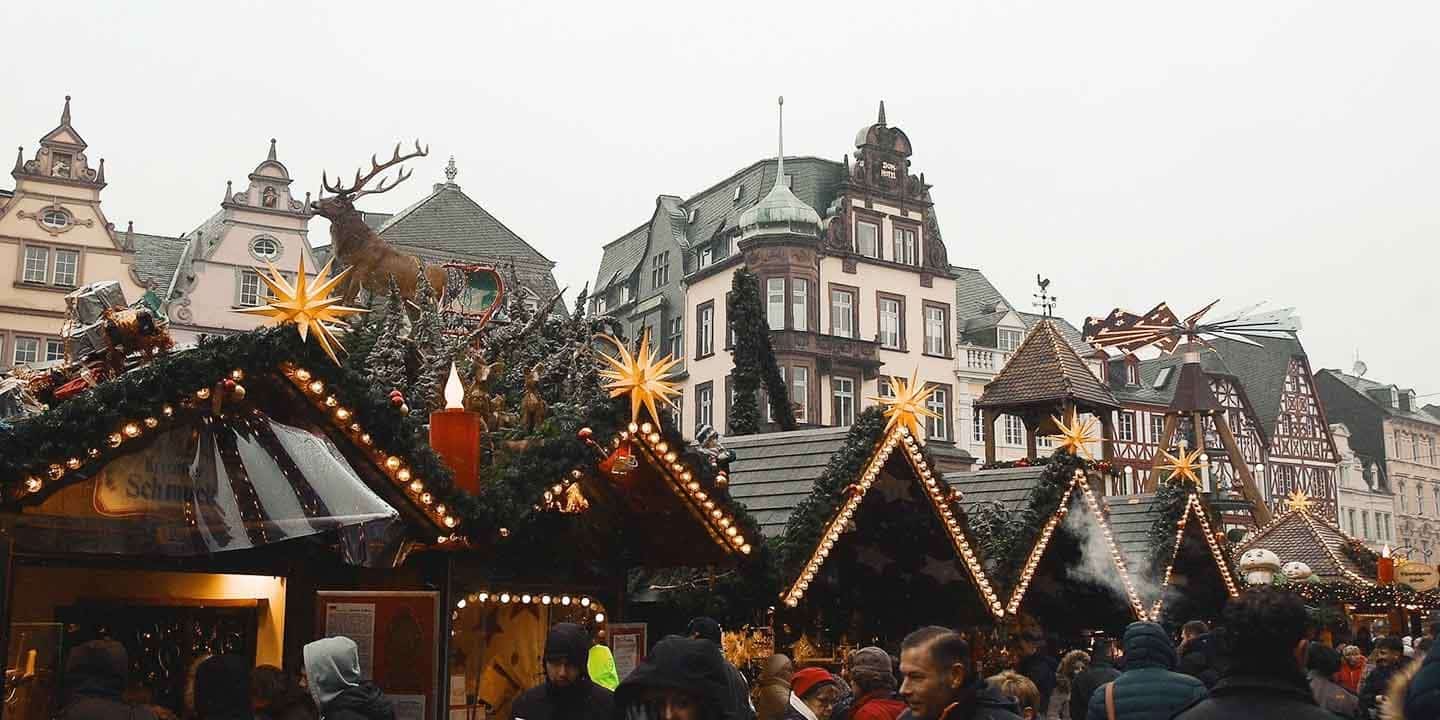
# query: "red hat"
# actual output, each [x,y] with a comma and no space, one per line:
[809,679]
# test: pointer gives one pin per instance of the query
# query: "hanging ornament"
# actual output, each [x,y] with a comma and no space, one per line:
[308,305]
[621,462]
[1182,465]
[397,401]
[1075,435]
[906,405]
[641,376]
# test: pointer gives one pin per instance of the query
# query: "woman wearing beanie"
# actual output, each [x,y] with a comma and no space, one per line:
[813,694]
[872,680]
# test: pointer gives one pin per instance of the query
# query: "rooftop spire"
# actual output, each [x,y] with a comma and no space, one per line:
[780,172]
[881,119]
[272,150]
[65,114]
[20,158]
[451,171]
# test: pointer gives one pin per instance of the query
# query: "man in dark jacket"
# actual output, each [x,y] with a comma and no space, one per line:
[1263,639]
[938,681]
[1101,671]
[704,628]
[680,678]
[567,693]
[332,667]
[1198,657]
[222,688]
[1148,689]
[1037,664]
[94,681]
[1389,657]
[1422,699]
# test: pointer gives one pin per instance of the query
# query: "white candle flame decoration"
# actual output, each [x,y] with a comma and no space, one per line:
[454,392]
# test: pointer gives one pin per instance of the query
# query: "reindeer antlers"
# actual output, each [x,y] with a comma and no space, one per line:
[376,168]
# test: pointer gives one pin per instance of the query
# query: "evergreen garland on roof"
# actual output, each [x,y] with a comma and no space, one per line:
[754,359]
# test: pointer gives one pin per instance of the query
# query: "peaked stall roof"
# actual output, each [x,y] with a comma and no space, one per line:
[1045,369]
[1298,534]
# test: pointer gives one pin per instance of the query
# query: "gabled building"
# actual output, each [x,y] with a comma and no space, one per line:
[55,237]
[853,273]
[1367,507]
[1395,438]
[207,274]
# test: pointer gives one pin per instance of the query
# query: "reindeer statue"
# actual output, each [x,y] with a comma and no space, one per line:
[373,261]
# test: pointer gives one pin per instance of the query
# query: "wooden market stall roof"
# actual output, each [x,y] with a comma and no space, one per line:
[1046,371]
[773,472]
[1300,534]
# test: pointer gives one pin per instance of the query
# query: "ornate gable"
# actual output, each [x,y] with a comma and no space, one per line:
[61,157]
[269,190]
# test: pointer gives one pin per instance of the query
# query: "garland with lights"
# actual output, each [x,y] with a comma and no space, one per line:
[1014,531]
[1101,467]
[1366,559]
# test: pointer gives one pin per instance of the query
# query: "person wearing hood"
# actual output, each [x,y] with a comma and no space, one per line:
[1148,689]
[222,689]
[568,693]
[938,681]
[814,693]
[332,668]
[708,629]
[94,682]
[772,691]
[1197,652]
[1263,646]
[681,679]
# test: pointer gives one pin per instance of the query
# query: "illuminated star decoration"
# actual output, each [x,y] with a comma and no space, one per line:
[642,376]
[1182,465]
[1076,435]
[308,304]
[1298,500]
[906,405]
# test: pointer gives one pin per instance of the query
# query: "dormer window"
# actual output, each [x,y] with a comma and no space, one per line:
[55,218]
[1008,340]
[1132,371]
[789,181]
[694,216]
[707,255]
[739,192]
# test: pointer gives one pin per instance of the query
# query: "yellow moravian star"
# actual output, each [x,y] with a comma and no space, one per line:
[642,376]
[906,405]
[309,306]
[1183,465]
[1076,435]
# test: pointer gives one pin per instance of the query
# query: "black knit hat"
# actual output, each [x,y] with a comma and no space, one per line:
[693,666]
[570,642]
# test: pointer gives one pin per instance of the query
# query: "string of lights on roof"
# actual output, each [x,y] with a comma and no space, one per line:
[1194,506]
[510,597]
[1299,503]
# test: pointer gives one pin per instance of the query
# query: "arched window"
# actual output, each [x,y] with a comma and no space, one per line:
[265,248]
[55,218]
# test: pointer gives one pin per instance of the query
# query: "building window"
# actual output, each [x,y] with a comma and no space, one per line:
[705,330]
[37,264]
[1351,513]
[800,304]
[264,248]
[1132,372]
[891,322]
[677,337]
[1157,428]
[775,303]
[1127,427]
[660,270]
[704,405]
[249,288]
[54,350]
[765,398]
[800,392]
[55,218]
[938,428]
[1365,524]
[27,350]
[1388,534]
[1404,503]
[707,255]
[600,305]
[1419,499]
[1014,431]
[842,400]
[67,267]
[905,246]
[937,323]
[867,239]
[842,313]
[977,425]
[1008,340]
[883,388]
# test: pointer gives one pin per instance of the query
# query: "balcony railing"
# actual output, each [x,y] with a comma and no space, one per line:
[973,358]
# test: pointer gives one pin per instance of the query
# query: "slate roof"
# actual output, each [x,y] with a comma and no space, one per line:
[1044,370]
[974,295]
[1147,393]
[449,225]
[1429,414]
[1011,487]
[1261,371]
[1072,334]
[816,182]
[1131,517]
[1298,535]
[773,472]
[156,258]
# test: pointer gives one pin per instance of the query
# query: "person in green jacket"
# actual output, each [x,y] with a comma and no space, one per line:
[601,664]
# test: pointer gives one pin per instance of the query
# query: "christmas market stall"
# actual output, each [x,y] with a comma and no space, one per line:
[1337,575]
[873,544]
[244,496]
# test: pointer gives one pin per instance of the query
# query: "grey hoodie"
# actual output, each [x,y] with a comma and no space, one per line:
[332,666]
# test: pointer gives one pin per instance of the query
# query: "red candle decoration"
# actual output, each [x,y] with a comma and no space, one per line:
[455,437]
[1385,570]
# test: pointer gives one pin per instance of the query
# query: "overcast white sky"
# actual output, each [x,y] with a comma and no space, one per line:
[1130,151]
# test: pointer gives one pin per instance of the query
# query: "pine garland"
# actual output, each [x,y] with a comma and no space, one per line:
[754,359]
[384,366]
[1008,550]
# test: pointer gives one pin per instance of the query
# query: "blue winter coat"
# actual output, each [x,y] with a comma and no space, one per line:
[1422,700]
[1148,689]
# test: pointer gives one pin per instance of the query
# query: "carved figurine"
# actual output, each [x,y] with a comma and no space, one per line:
[477,397]
[532,406]
[372,261]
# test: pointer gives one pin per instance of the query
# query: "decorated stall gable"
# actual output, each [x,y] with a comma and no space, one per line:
[898,435]
[1196,512]
[1301,535]
[73,440]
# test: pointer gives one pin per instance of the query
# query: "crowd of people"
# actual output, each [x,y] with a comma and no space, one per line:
[1262,663]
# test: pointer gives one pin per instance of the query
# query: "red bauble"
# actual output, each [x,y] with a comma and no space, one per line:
[585,433]
[396,399]
[229,385]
